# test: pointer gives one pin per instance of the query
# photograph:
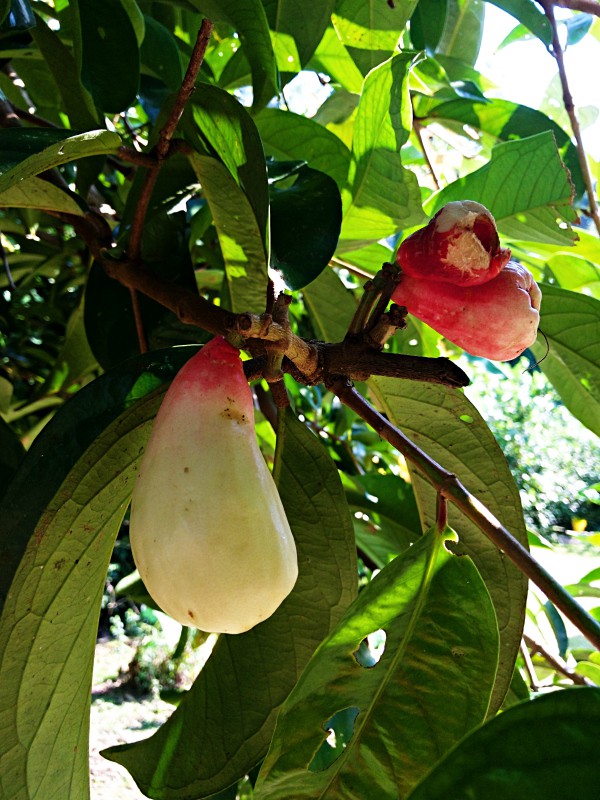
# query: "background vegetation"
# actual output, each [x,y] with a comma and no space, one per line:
[165,169]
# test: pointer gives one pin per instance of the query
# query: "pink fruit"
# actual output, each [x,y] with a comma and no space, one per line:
[495,320]
[208,532]
[460,245]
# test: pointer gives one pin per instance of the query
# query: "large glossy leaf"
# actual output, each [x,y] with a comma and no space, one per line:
[298,31]
[230,130]
[330,306]
[504,120]
[160,54]
[571,361]
[497,761]
[74,428]
[443,423]
[48,626]
[526,187]
[430,687]
[223,726]
[240,237]
[38,193]
[332,58]
[305,226]
[249,19]
[461,37]
[25,153]
[529,14]
[370,29]
[427,24]
[107,52]
[76,100]
[383,197]
[290,137]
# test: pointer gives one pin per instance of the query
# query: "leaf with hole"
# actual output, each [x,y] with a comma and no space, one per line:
[421,682]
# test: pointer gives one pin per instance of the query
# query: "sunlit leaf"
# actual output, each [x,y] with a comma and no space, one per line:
[571,361]
[443,423]
[428,689]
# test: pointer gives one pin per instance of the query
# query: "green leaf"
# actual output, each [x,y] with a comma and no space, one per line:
[74,428]
[305,226]
[290,137]
[443,423]
[371,29]
[212,739]
[571,362]
[76,100]
[297,30]
[109,319]
[240,237]
[230,131]
[159,53]
[330,306]
[463,31]
[427,24]
[383,197]
[38,193]
[495,762]
[529,15]
[249,19]
[430,687]
[332,58]
[526,187]
[54,598]
[27,152]
[107,53]
[502,119]
[393,523]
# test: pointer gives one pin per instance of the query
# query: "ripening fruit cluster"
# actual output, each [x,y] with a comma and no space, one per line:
[458,280]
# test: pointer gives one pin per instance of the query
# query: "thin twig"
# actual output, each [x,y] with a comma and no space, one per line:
[161,151]
[555,662]
[450,487]
[165,136]
[529,668]
[418,128]
[586,6]
[557,52]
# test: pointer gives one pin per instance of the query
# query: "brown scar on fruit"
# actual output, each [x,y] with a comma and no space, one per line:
[235,415]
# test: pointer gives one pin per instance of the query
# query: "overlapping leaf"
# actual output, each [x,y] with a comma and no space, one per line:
[430,687]
[450,430]
[249,19]
[382,197]
[563,729]
[27,153]
[571,359]
[526,187]
[49,621]
[223,726]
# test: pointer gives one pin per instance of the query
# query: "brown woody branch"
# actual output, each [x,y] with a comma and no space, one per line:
[555,662]
[451,488]
[586,6]
[557,52]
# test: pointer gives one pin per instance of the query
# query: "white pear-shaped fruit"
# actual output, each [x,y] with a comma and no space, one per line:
[208,531]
